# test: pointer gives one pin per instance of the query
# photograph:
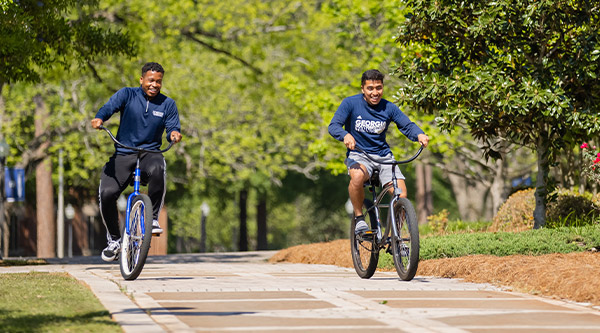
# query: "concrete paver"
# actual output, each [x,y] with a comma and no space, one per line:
[240,292]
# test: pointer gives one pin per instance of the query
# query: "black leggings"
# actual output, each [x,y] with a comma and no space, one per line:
[116,177]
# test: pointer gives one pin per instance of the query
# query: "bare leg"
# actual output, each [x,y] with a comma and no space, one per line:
[358,176]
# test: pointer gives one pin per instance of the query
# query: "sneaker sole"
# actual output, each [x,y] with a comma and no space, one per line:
[107,259]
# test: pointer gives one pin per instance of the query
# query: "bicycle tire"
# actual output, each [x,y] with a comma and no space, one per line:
[365,254]
[405,248]
[136,243]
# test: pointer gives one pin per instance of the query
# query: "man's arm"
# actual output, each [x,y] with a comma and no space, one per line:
[172,124]
[115,103]
[406,126]
[336,126]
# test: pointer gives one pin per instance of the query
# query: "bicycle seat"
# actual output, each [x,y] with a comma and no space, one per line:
[374,179]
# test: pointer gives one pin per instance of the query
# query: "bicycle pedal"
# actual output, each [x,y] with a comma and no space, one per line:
[369,232]
[156,235]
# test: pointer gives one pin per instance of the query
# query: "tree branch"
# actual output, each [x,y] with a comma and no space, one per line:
[191,36]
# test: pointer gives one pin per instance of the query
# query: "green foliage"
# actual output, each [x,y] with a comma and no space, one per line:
[530,242]
[568,208]
[256,83]
[451,227]
[518,70]
[591,158]
[42,302]
[438,222]
[37,34]
[571,208]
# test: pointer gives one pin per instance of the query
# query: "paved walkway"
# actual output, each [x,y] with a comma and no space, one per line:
[240,292]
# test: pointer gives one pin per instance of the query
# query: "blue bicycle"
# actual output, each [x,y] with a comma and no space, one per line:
[137,231]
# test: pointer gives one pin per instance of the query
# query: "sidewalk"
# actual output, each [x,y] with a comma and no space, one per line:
[240,292]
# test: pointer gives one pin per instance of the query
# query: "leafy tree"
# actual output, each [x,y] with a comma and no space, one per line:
[34,37]
[520,71]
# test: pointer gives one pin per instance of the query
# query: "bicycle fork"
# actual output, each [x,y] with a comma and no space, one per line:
[137,179]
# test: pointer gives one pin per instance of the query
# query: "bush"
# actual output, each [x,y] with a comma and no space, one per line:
[569,208]
[438,222]
[516,213]
[572,209]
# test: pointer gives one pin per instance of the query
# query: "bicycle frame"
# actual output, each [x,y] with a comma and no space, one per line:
[136,175]
[378,198]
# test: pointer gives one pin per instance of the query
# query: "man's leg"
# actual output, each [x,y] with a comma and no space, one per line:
[115,177]
[358,176]
[154,169]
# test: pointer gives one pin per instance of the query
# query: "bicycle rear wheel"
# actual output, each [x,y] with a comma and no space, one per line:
[365,254]
[136,240]
[405,247]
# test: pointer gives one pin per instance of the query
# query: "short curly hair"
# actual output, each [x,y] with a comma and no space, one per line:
[152,66]
[371,74]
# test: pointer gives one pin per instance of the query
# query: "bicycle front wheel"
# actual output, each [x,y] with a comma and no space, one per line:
[137,238]
[365,254]
[405,247]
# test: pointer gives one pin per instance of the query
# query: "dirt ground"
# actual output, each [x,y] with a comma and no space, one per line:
[573,276]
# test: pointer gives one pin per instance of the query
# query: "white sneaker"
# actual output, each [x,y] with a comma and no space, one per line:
[361,226]
[111,252]
[156,229]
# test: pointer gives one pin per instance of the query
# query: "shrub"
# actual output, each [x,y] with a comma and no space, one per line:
[516,213]
[438,222]
[572,209]
[568,209]
[530,242]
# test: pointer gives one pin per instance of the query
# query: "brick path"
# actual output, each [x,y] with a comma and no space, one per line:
[239,292]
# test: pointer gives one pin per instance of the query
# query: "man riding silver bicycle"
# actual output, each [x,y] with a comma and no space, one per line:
[362,120]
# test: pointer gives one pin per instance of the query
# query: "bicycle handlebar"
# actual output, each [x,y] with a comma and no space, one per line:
[393,162]
[138,149]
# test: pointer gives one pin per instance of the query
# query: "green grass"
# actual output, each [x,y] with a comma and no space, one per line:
[48,302]
[457,226]
[531,242]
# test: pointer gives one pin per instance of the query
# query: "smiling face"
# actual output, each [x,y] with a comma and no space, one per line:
[372,91]
[151,82]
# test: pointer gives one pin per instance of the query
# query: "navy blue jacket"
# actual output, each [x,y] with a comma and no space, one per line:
[143,120]
[368,125]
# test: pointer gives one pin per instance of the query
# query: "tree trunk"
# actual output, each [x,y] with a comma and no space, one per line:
[539,213]
[497,188]
[424,195]
[243,241]
[46,229]
[261,223]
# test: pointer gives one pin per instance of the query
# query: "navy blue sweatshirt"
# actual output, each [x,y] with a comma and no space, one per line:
[143,120]
[368,124]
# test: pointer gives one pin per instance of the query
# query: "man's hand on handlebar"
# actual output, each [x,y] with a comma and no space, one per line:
[423,140]
[175,136]
[96,123]
[349,141]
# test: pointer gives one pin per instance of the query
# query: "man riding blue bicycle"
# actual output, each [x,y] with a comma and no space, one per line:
[362,120]
[145,115]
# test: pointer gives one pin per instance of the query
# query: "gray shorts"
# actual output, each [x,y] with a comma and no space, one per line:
[385,170]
